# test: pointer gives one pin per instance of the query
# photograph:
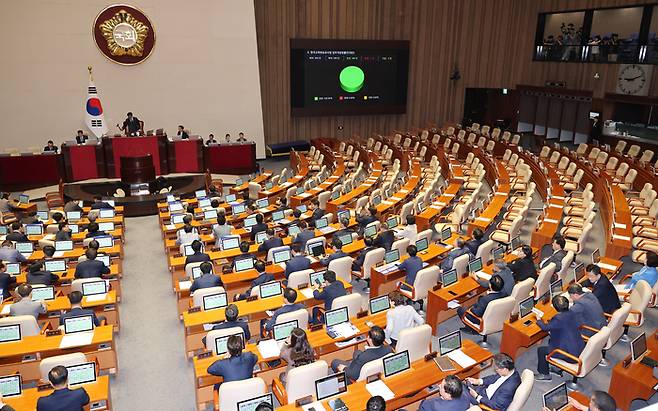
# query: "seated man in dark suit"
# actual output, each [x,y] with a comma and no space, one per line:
[586,307]
[385,238]
[374,349]
[557,255]
[317,212]
[37,275]
[17,233]
[231,313]
[64,232]
[358,261]
[602,288]
[198,256]
[182,133]
[451,397]
[244,249]
[91,267]
[100,204]
[63,398]
[495,292]
[9,254]
[77,311]
[80,138]
[344,228]
[304,235]
[524,266]
[477,240]
[296,214]
[459,250]
[328,292]
[289,305]
[376,403]
[599,401]
[207,279]
[337,246]
[564,333]
[411,265]
[6,281]
[298,262]
[272,241]
[93,230]
[263,277]
[366,217]
[50,146]
[238,366]
[496,391]
[260,226]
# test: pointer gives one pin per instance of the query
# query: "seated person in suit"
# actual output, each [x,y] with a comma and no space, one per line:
[523,267]
[647,273]
[237,366]
[400,317]
[77,311]
[358,261]
[36,275]
[17,233]
[602,288]
[244,250]
[564,333]
[247,201]
[260,226]
[272,241]
[211,140]
[9,254]
[221,229]
[376,403]
[31,218]
[495,292]
[64,232]
[385,238]
[50,146]
[327,292]
[317,212]
[188,235]
[207,278]
[451,397]
[198,255]
[477,240]
[72,206]
[231,314]
[297,214]
[296,351]
[496,391]
[241,138]
[410,230]
[557,255]
[91,267]
[25,305]
[49,251]
[63,398]
[289,305]
[80,138]
[586,307]
[7,407]
[182,133]
[227,138]
[599,401]
[344,228]
[499,268]
[263,277]
[94,231]
[337,247]
[411,265]
[304,235]
[459,250]
[375,349]
[6,281]
[99,204]
[298,262]
[5,204]
[367,216]
[281,204]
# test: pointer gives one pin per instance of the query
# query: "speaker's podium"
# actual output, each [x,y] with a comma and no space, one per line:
[137,172]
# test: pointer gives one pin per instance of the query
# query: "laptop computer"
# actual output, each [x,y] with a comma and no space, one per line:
[105,241]
[379,304]
[9,333]
[23,198]
[515,243]
[200,193]
[322,224]
[253,403]
[175,207]
[214,301]
[392,222]
[229,243]
[13,269]
[230,198]
[330,386]
[66,245]
[270,289]
[315,249]
[448,343]
[293,230]
[11,386]
[316,277]
[25,248]
[210,214]
[105,259]
[343,214]
[83,323]
[338,323]
[250,222]
[177,218]
[281,256]
[261,236]
[557,398]
[556,288]
[302,208]
[43,215]
[278,216]
[281,331]
[262,204]
[106,226]
[396,363]
[391,256]
[346,239]
[204,202]
[238,209]
[81,373]
[498,252]
[370,230]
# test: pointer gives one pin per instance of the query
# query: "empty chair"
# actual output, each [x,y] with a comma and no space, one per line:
[646,157]
[545,151]
[342,267]
[506,136]
[543,283]
[633,151]
[300,382]
[581,149]
[601,158]
[588,359]
[616,326]
[516,138]
[612,163]
[593,153]
[521,291]
[639,299]
[416,340]
[629,180]
[621,145]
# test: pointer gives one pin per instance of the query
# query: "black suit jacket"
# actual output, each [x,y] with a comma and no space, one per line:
[6,281]
[53,148]
[18,237]
[481,305]
[42,277]
[197,258]
[360,358]
[183,135]
[79,312]
[269,244]
[91,269]
[385,239]
[64,400]
[605,292]
[523,268]
[257,228]
[80,140]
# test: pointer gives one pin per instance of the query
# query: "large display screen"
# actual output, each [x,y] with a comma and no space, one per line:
[348,77]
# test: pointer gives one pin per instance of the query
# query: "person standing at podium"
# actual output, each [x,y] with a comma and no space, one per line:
[81,138]
[182,133]
[131,125]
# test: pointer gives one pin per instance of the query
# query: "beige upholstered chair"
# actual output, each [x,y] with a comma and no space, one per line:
[342,267]
[424,281]
[416,340]
[521,291]
[588,359]
[495,315]
[299,277]
[231,393]
[215,334]
[300,382]
[67,360]
[28,324]
[197,296]
[543,283]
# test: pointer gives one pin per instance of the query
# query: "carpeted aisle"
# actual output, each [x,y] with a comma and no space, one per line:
[153,371]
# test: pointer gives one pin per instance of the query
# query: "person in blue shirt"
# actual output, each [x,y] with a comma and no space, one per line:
[263,277]
[357,264]
[207,279]
[328,292]
[477,240]
[337,245]
[304,235]
[63,398]
[272,241]
[648,273]
[237,366]
[77,311]
[298,262]
[289,305]
[231,313]
[599,401]
[411,265]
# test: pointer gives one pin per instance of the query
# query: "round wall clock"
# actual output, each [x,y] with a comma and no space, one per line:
[124,34]
[634,79]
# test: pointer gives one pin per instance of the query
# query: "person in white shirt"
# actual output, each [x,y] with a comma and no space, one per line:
[495,391]
[410,231]
[187,235]
[221,229]
[399,317]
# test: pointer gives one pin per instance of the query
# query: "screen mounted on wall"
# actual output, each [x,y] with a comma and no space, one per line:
[348,77]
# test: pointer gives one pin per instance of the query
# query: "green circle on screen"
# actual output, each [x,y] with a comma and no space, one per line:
[351,79]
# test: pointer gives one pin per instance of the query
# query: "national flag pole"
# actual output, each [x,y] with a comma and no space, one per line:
[94,116]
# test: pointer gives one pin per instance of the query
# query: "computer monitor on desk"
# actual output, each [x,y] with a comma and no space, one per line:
[46,293]
[331,385]
[391,256]
[220,342]
[244,264]
[229,243]
[396,363]
[449,278]
[498,253]
[475,265]
[379,304]
[214,301]
[82,373]
[370,230]
[78,324]
[317,277]
[11,386]
[450,342]
[446,233]
[596,256]
[270,289]
[515,243]
[638,347]
[253,403]
[556,399]
[422,245]
[281,256]
[9,333]
[282,331]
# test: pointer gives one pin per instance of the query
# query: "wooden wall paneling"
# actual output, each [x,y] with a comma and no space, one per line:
[554,117]
[541,116]
[568,123]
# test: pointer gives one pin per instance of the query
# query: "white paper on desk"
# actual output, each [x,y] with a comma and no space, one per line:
[619,225]
[208,327]
[548,220]
[483,275]
[556,205]
[485,219]
[97,297]
[608,267]
[307,292]
[184,285]
[50,237]
[58,254]
[170,226]
[317,406]
[453,304]
[448,195]
[404,191]
[396,198]
[460,358]
[621,237]
[379,388]
[436,207]
[387,202]
[269,348]
[76,339]
[5,309]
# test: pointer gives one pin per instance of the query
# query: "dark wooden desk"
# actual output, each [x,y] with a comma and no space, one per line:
[232,158]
